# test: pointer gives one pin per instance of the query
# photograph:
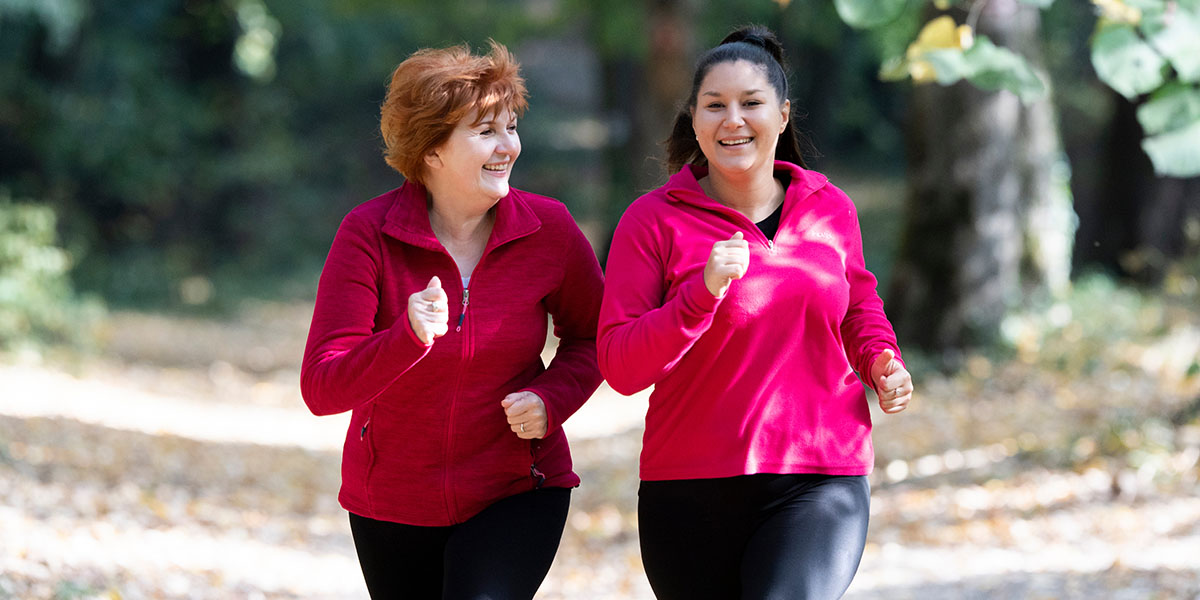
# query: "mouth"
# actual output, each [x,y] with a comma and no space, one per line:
[496,168]
[736,141]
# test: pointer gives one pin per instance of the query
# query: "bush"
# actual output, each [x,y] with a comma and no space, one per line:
[38,306]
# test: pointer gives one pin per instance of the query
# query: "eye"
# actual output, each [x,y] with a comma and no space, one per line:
[714,105]
[487,131]
[512,128]
[753,102]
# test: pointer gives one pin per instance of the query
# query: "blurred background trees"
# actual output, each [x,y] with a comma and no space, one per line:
[195,152]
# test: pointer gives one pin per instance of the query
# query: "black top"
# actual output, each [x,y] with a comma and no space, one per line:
[770,225]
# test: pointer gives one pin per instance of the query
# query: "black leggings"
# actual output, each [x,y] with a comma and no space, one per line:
[753,536]
[503,552]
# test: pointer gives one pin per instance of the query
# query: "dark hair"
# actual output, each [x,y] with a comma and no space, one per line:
[755,44]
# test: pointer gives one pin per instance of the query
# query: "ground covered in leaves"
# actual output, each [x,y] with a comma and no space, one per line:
[180,462]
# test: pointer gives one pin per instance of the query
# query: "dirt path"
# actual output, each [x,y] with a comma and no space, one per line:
[163,471]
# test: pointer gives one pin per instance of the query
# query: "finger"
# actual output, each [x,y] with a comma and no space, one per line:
[514,403]
[425,336]
[437,330]
[521,411]
[434,283]
[737,235]
[883,360]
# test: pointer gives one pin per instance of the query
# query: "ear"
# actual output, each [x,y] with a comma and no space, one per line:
[433,159]
[787,113]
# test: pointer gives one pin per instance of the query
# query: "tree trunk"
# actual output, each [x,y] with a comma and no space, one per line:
[988,218]
[644,95]
[668,79]
[1131,222]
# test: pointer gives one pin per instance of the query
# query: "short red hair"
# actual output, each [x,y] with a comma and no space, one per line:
[434,89]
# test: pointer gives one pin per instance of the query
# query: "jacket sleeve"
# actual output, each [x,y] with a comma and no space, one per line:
[641,337]
[573,375]
[865,329]
[346,363]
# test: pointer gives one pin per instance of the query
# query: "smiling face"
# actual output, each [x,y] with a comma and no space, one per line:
[473,165]
[738,118]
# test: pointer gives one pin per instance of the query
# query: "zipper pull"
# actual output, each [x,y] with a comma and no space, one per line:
[463,315]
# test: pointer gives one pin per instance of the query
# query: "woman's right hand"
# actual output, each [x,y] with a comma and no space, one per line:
[728,260]
[429,312]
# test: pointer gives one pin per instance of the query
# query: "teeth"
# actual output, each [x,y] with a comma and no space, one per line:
[499,167]
[735,142]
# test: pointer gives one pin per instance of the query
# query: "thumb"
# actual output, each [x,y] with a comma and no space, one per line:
[508,401]
[434,283]
[883,362]
[736,236]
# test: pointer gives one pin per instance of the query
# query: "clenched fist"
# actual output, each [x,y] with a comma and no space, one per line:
[893,384]
[429,312]
[728,260]
[526,415]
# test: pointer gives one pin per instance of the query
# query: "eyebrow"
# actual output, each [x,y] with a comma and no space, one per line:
[745,93]
[493,122]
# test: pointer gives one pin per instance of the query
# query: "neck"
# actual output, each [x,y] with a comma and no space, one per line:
[755,195]
[450,222]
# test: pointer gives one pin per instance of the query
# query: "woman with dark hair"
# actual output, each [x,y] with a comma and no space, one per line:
[739,291]
[455,470]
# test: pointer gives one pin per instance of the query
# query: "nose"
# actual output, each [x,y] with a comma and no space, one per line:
[509,143]
[733,118]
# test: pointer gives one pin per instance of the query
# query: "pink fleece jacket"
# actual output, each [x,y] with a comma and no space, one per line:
[763,379]
[429,443]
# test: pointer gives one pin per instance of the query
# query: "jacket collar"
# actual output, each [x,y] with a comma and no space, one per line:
[408,218]
[684,186]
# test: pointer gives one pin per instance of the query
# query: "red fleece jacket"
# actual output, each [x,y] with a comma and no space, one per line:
[429,443]
[763,379]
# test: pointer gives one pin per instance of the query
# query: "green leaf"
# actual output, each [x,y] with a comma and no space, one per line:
[1173,107]
[1147,5]
[949,64]
[993,68]
[1175,153]
[893,69]
[1125,62]
[864,14]
[1177,37]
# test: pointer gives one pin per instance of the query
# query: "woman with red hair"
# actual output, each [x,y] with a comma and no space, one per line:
[455,470]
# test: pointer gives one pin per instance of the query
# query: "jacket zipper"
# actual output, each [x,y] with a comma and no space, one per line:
[537,476]
[463,315]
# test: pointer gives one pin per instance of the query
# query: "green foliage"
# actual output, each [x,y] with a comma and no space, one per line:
[1147,47]
[864,14]
[987,66]
[1176,36]
[996,68]
[1172,107]
[37,304]
[1126,62]
[1140,46]
[1175,153]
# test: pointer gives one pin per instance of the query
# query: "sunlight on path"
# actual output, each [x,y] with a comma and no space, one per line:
[36,392]
[33,392]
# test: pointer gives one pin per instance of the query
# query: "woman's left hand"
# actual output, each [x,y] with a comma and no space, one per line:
[526,415]
[893,384]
